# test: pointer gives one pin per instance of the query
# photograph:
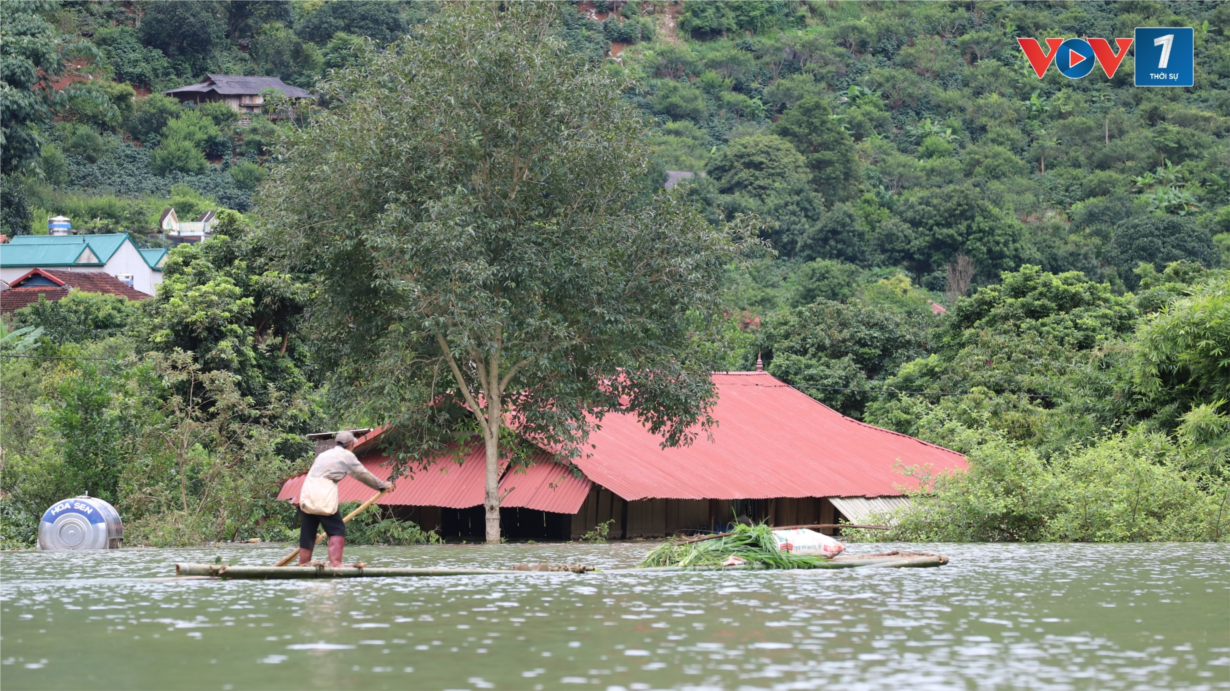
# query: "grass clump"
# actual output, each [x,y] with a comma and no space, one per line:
[753,543]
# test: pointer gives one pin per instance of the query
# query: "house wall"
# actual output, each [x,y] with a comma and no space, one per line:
[9,274]
[127,260]
[652,518]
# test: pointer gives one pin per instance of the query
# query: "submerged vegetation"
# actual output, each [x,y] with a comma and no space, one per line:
[754,544]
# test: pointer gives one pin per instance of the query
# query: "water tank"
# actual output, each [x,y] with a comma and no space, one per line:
[82,522]
[59,225]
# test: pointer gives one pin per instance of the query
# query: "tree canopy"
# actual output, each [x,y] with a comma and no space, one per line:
[487,235]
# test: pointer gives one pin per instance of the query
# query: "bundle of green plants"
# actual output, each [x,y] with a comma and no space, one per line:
[754,544]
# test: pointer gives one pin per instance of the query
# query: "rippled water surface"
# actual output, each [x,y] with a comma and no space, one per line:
[999,616]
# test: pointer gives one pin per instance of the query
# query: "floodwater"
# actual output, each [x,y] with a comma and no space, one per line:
[998,617]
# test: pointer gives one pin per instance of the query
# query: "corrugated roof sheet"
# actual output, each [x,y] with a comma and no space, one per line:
[241,85]
[103,245]
[544,486]
[772,441]
[14,254]
[446,483]
[862,510]
[153,257]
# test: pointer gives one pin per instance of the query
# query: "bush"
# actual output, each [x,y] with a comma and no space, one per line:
[1159,240]
[378,527]
[87,144]
[152,115]
[1126,488]
[186,30]
[192,127]
[621,32]
[178,156]
[131,62]
[248,175]
[15,217]
[99,104]
[18,529]
[380,21]
[259,137]
[679,101]
[221,114]
[53,165]
[80,317]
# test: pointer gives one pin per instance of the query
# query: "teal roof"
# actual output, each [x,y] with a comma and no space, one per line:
[36,255]
[103,246]
[152,257]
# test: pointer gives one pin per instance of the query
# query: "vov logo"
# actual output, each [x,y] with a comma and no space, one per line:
[1165,56]
[1074,57]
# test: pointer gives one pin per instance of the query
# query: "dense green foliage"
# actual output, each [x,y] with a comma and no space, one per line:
[184,410]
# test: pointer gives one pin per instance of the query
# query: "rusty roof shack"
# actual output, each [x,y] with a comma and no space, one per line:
[243,94]
[777,455]
[53,286]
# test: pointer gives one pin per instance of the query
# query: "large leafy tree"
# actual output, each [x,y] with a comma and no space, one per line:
[827,148]
[476,215]
[31,58]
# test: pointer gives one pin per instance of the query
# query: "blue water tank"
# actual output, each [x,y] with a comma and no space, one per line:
[59,225]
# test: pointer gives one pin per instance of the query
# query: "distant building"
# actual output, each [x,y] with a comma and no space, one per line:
[186,231]
[54,286]
[113,254]
[243,94]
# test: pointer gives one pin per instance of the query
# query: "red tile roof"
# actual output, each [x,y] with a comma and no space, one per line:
[772,441]
[14,299]
[17,296]
[87,282]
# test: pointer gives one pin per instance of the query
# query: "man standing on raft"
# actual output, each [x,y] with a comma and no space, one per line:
[318,498]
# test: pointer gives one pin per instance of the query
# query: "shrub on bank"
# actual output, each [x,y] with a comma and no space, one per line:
[1126,488]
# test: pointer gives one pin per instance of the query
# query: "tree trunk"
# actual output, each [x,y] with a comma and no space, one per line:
[491,499]
[495,420]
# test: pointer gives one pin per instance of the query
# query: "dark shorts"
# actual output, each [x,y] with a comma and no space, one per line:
[333,525]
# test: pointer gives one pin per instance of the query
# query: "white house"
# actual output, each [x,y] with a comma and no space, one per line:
[114,254]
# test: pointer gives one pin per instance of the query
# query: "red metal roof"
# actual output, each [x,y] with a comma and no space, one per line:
[446,483]
[545,486]
[771,441]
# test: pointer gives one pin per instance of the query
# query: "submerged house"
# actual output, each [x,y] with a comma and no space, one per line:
[777,455]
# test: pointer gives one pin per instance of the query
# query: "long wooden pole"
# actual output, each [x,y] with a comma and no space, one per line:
[320,536]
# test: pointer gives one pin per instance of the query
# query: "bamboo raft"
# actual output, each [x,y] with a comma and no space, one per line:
[225,572]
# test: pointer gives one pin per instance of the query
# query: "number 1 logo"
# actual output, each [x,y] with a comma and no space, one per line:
[1166,42]
[1165,56]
